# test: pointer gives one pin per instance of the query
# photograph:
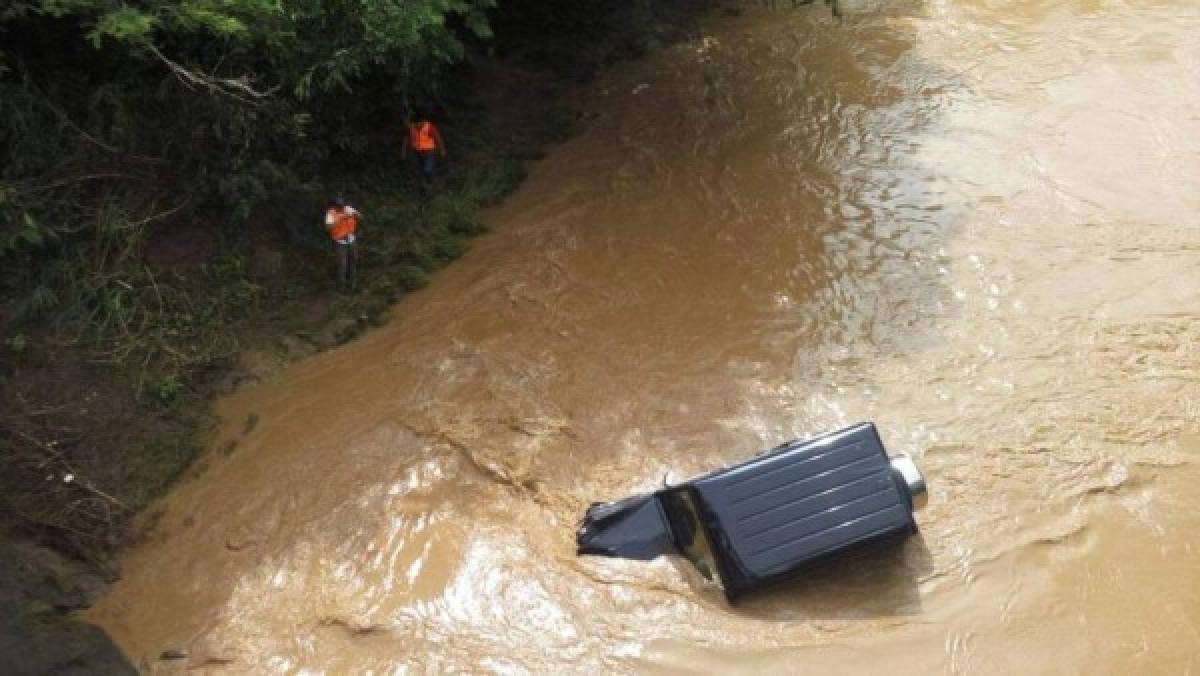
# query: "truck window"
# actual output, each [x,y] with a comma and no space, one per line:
[688,531]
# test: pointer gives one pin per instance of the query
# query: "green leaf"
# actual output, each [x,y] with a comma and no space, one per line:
[124,25]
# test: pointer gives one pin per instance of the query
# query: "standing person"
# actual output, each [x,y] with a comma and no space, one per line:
[426,142]
[341,220]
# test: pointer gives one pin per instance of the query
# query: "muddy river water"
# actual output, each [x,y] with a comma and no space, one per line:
[976,223]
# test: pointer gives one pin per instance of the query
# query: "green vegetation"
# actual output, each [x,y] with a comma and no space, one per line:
[165,168]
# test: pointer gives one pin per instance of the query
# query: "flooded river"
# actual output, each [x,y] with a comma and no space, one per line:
[976,223]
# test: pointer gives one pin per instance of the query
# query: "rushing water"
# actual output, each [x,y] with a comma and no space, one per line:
[974,222]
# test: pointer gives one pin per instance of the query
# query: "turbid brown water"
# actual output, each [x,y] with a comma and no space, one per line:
[976,223]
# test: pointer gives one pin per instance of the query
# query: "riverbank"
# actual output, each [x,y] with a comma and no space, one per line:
[95,429]
[92,442]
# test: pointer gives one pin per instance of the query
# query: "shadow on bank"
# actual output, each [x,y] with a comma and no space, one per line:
[37,589]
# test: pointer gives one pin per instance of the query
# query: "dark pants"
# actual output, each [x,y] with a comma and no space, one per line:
[426,161]
[347,264]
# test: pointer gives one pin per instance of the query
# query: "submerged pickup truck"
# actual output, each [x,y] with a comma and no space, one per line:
[765,519]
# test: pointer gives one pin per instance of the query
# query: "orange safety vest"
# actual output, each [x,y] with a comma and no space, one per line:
[344,224]
[421,136]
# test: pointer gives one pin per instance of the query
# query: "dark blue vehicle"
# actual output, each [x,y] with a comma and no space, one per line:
[763,520]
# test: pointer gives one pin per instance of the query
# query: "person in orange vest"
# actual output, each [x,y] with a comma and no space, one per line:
[426,142]
[341,221]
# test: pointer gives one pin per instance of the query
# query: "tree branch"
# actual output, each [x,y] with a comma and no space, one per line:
[237,88]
